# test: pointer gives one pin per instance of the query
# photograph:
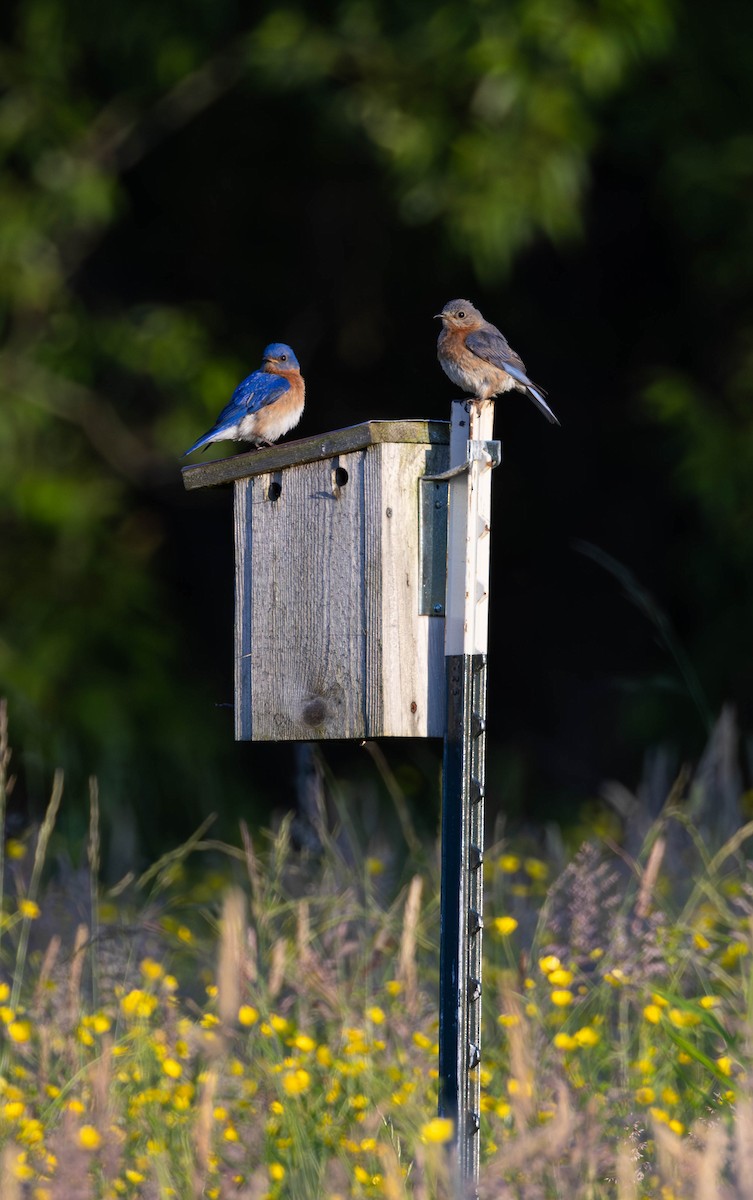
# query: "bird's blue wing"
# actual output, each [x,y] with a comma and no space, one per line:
[252,393]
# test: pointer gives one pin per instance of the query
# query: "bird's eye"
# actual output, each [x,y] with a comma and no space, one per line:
[283,358]
[461,314]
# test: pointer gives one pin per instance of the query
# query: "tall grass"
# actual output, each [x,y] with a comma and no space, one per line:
[253,1021]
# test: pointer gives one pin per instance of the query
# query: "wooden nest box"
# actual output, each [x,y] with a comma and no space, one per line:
[340,568]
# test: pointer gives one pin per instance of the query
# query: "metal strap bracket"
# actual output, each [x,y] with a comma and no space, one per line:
[487,453]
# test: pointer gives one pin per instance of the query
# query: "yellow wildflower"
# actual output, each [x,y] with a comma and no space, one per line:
[517,1088]
[19,1031]
[733,952]
[682,1018]
[504,926]
[535,868]
[652,1013]
[616,977]
[586,1036]
[549,963]
[276,1171]
[88,1137]
[22,1170]
[247,1014]
[562,997]
[296,1082]
[509,863]
[138,1003]
[31,1132]
[440,1129]
[508,1020]
[29,909]
[560,977]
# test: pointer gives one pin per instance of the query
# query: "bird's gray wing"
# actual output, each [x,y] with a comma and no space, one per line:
[494,348]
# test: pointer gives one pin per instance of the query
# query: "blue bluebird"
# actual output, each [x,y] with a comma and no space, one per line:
[264,406]
[479,359]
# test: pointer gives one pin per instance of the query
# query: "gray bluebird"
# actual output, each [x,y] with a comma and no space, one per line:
[478,358]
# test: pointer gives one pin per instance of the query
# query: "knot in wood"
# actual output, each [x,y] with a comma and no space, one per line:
[315,712]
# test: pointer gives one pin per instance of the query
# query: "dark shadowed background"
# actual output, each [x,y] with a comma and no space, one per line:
[183,183]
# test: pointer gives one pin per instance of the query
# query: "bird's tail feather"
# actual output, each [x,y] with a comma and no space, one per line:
[201,444]
[537,395]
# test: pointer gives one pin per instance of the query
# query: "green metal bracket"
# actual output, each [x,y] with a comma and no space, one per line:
[432,545]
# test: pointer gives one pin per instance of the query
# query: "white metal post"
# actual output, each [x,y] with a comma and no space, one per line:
[472,456]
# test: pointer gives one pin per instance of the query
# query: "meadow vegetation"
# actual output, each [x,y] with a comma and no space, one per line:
[255,1021]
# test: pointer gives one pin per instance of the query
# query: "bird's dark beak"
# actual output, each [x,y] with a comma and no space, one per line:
[438,316]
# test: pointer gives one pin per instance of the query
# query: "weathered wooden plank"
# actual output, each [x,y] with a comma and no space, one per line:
[314,449]
[412,645]
[243,610]
[302,621]
[374,583]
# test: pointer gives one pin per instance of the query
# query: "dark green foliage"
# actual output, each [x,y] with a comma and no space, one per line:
[181,183]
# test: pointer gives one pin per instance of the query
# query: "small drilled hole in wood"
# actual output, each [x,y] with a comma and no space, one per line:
[274,491]
[341,476]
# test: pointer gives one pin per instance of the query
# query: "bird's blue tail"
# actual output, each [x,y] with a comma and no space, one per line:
[202,443]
